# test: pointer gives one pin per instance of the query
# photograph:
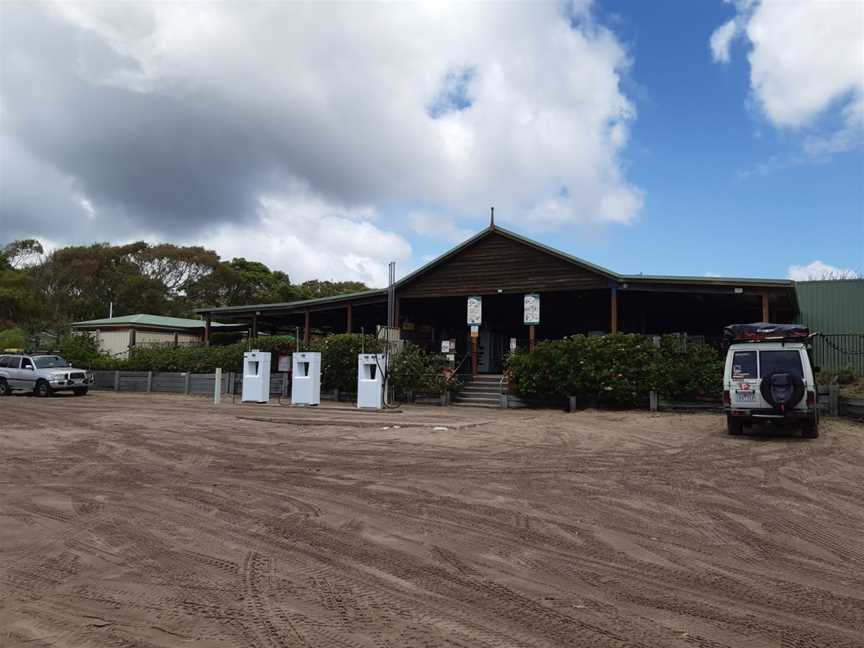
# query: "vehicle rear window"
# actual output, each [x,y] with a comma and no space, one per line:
[744,364]
[783,361]
[10,362]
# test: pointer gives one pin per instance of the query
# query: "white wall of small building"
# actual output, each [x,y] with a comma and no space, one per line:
[115,342]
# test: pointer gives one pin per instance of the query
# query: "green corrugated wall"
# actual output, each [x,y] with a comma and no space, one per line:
[834,308]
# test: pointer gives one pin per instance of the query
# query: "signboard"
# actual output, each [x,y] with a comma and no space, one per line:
[283,364]
[512,344]
[445,346]
[475,310]
[532,308]
[475,330]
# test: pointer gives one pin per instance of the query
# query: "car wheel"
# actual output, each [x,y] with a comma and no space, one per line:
[734,426]
[43,389]
[5,390]
[82,391]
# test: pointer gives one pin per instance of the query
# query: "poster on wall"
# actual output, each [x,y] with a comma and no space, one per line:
[445,346]
[475,310]
[532,308]
[283,364]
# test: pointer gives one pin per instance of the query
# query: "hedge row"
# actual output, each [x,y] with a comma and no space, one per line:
[411,370]
[618,369]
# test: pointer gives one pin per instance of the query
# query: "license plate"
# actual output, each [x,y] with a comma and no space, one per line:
[745,396]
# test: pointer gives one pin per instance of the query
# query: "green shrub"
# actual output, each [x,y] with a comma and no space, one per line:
[81,349]
[200,359]
[13,339]
[684,374]
[339,358]
[414,370]
[618,369]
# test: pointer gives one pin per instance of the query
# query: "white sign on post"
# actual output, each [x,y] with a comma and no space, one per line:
[445,346]
[475,310]
[532,308]
[512,345]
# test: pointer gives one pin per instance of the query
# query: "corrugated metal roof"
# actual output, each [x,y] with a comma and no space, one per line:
[379,292]
[143,319]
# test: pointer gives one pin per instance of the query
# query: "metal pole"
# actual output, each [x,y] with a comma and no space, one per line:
[217,386]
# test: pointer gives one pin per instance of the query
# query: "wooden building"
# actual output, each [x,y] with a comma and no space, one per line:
[501,267]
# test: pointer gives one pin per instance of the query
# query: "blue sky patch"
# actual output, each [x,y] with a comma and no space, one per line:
[454,93]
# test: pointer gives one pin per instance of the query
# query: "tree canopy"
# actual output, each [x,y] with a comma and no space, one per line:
[40,291]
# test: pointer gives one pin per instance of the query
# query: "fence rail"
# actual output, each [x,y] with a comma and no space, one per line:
[829,400]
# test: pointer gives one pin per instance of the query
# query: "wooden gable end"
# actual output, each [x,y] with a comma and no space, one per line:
[498,262]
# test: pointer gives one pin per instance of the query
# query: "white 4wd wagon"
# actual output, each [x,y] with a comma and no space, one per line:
[769,377]
[42,374]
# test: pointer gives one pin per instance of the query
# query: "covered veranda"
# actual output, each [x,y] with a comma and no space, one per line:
[501,267]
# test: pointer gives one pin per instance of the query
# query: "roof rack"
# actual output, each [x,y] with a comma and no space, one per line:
[765,332]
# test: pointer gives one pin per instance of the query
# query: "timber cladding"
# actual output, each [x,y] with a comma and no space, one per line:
[498,262]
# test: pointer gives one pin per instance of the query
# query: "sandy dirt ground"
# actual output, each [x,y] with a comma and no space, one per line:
[131,520]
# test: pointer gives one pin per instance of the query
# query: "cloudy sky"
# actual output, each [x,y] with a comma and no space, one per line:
[328,139]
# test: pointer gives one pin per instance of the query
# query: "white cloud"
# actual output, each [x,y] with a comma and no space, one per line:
[204,110]
[819,270]
[806,58]
[303,235]
[721,40]
[439,227]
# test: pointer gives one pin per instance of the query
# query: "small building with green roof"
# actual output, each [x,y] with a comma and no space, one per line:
[117,335]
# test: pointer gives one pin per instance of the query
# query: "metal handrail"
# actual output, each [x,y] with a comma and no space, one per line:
[461,362]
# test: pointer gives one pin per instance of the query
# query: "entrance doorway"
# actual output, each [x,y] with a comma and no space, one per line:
[490,352]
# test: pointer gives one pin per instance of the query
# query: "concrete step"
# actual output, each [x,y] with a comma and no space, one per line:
[473,404]
[484,389]
[477,399]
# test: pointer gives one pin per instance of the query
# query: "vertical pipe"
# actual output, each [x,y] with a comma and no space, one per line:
[306,326]
[614,310]
[254,325]
[349,316]
[217,386]
[765,314]
[207,323]
[531,337]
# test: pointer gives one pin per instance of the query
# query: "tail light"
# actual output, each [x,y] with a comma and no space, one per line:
[811,398]
[727,399]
